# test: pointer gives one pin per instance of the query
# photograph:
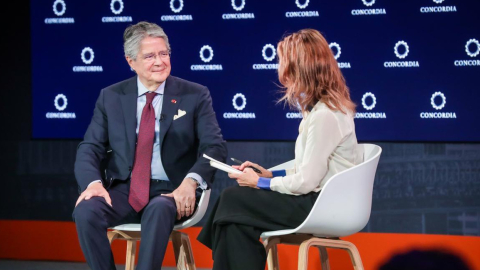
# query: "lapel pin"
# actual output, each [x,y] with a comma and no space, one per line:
[174,101]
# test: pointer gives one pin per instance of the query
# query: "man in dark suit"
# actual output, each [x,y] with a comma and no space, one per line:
[149,133]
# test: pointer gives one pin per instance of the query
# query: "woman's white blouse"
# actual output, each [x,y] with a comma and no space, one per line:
[326,145]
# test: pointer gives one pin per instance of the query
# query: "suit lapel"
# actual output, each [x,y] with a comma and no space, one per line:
[129,106]
[171,101]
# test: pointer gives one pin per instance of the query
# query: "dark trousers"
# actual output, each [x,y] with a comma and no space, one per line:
[240,216]
[93,217]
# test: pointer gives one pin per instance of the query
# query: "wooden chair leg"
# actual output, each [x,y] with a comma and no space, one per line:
[303,254]
[176,238]
[324,258]
[131,250]
[339,244]
[273,258]
[354,256]
[190,261]
[112,236]
[272,255]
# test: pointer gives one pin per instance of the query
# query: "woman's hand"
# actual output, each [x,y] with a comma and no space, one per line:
[248,178]
[264,172]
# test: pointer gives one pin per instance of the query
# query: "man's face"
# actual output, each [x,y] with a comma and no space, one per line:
[153,61]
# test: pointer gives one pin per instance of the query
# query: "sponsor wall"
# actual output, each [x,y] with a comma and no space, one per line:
[412,66]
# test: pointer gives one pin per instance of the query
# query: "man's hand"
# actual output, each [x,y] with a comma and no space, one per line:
[184,197]
[94,190]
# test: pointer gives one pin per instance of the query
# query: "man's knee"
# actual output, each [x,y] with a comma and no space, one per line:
[88,211]
[161,206]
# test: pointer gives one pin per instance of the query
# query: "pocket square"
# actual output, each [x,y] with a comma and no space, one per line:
[180,114]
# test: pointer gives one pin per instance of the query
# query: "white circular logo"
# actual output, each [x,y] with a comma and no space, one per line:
[364,99]
[234,102]
[55,9]
[113,9]
[238,8]
[442,96]
[368,3]
[467,49]
[438,1]
[264,52]
[90,59]
[339,50]
[173,8]
[405,45]
[302,6]
[64,99]
[210,53]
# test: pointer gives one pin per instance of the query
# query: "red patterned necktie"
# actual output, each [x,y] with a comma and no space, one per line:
[140,181]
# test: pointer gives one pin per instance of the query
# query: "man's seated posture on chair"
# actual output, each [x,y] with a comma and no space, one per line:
[154,128]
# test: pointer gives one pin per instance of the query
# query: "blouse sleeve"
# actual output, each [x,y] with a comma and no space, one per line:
[323,136]
[276,173]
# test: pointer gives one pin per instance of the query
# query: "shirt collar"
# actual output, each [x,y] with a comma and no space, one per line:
[142,89]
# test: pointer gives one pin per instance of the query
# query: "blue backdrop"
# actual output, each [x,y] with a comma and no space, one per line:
[412,66]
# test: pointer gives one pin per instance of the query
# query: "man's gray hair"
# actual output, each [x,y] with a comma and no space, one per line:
[134,34]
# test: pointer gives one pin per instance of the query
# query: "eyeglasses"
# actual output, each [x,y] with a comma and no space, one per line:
[152,56]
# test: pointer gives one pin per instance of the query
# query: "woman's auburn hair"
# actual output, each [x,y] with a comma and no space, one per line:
[309,73]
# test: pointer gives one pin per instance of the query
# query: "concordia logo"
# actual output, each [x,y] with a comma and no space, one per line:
[438,102]
[369,11]
[369,101]
[233,16]
[87,55]
[302,4]
[295,114]
[176,6]
[206,59]
[116,6]
[59,8]
[438,9]
[268,53]
[401,50]
[337,52]
[472,48]
[239,102]
[60,102]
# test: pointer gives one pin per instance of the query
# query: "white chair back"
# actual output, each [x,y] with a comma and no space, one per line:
[343,206]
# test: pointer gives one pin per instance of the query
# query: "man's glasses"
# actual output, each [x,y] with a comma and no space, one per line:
[152,56]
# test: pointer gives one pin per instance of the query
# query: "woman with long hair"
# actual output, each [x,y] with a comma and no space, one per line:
[326,145]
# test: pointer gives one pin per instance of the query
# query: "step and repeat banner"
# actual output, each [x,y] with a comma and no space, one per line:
[413,67]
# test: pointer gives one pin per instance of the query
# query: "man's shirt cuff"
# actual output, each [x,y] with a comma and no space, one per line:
[279,173]
[201,183]
[96,181]
[264,183]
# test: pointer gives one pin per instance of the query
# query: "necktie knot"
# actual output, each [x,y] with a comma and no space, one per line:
[150,97]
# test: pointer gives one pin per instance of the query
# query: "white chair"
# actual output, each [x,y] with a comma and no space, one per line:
[181,243]
[342,208]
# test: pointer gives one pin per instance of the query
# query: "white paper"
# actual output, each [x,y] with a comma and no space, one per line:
[221,166]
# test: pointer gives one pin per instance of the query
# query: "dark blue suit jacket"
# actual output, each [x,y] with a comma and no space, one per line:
[182,141]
